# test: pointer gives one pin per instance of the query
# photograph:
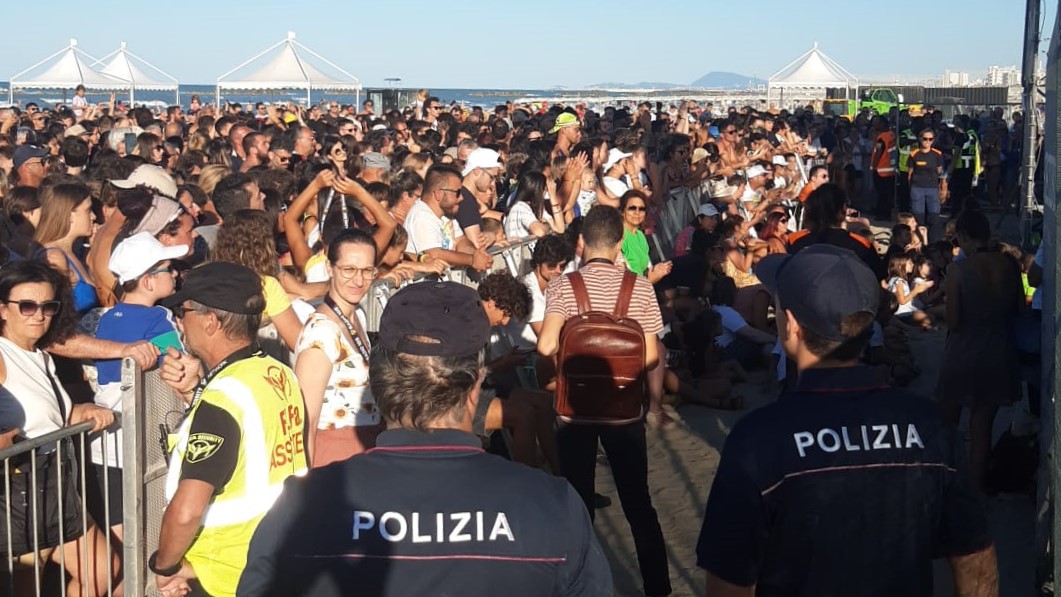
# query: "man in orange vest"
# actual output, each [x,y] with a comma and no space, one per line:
[883,165]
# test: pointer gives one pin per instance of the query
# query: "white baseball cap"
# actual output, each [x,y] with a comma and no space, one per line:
[151,176]
[482,158]
[779,160]
[614,156]
[754,171]
[134,256]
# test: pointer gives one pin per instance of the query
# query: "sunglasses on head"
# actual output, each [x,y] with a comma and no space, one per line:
[30,308]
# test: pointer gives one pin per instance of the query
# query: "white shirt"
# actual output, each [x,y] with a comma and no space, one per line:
[894,283]
[78,104]
[615,186]
[27,397]
[428,231]
[537,312]
[519,219]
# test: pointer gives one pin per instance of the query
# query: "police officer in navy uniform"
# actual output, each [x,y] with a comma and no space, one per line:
[844,486]
[427,512]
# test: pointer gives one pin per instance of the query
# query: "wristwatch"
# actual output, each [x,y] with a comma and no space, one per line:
[151,565]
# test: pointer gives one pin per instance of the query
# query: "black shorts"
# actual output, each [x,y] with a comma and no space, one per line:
[48,513]
[95,489]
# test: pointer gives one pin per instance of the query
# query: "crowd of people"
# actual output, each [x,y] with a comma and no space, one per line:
[230,249]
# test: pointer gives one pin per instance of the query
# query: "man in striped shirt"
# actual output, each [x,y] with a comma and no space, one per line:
[601,241]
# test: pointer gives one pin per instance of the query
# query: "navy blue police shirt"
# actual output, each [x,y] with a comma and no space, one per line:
[845,487]
[426,513]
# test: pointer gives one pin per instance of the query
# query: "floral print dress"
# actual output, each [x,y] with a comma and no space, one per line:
[348,400]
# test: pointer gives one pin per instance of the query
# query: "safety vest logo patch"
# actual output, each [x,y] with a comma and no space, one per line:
[202,446]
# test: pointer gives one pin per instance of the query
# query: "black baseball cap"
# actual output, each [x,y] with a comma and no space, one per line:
[26,152]
[435,319]
[821,285]
[223,286]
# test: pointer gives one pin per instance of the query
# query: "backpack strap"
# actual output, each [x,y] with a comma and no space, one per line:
[578,286]
[626,292]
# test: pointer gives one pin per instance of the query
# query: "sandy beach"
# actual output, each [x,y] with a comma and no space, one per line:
[682,464]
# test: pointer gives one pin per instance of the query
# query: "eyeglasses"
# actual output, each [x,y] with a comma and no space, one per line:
[31,308]
[636,208]
[161,270]
[731,132]
[350,272]
[42,162]
[454,191]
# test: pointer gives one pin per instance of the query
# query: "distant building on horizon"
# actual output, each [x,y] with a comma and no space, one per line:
[953,78]
[1002,76]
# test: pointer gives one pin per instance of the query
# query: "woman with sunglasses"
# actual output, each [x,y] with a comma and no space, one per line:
[335,153]
[34,309]
[927,183]
[633,207]
[331,359]
[775,232]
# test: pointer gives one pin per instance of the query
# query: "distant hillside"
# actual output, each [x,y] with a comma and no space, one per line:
[717,80]
[641,85]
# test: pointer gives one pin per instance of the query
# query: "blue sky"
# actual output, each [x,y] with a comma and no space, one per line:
[481,44]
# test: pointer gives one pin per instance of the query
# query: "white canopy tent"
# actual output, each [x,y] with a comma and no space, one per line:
[812,71]
[288,69]
[65,69]
[141,74]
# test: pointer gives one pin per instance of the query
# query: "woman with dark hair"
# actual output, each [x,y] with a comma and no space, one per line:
[633,206]
[34,309]
[336,153]
[979,369]
[824,218]
[332,356]
[149,146]
[528,215]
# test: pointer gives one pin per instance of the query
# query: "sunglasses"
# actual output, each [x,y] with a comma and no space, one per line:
[783,220]
[31,308]
[179,311]
[636,208]
[928,138]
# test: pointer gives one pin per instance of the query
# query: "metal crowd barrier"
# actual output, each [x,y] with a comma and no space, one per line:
[149,408]
[514,258]
[33,464]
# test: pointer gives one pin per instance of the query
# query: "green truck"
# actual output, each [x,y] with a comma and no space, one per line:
[877,100]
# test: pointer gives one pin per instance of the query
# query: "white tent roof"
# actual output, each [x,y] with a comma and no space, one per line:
[66,68]
[141,74]
[288,69]
[813,70]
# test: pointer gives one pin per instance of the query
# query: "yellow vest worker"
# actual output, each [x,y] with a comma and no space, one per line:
[242,437]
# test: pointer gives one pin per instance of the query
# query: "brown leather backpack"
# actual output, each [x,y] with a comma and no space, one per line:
[601,376]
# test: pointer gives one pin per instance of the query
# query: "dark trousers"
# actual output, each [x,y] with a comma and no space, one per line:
[903,198]
[885,187]
[961,191]
[628,455]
